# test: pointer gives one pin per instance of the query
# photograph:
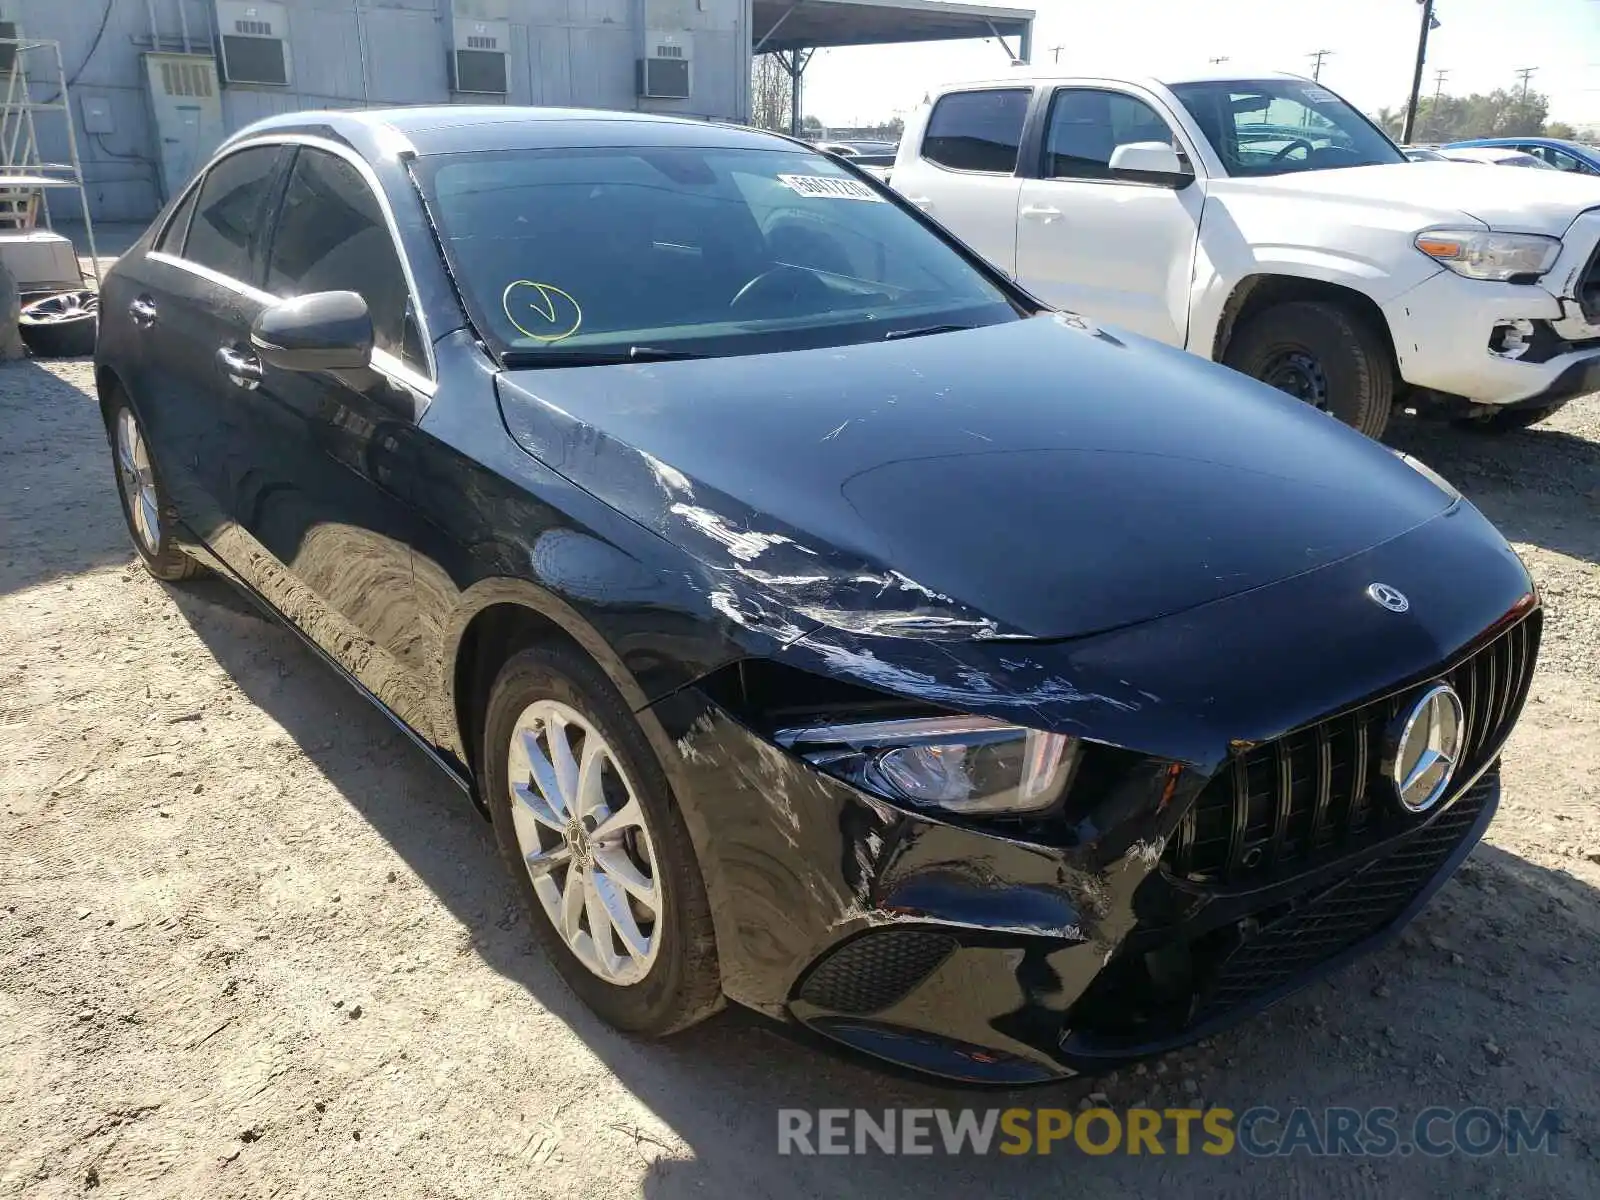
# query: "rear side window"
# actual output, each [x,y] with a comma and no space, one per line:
[172,236]
[232,203]
[331,237]
[977,131]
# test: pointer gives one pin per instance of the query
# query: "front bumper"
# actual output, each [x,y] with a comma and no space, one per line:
[1442,327]
[1167,903]
[959,953]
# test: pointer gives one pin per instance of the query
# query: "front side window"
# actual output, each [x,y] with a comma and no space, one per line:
[1087,124]
[1276,126]
[331,236]
[229,212]
[1562,161]
[977,131]
[690,250]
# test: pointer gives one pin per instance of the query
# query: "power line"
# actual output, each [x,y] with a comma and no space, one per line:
[1316,67]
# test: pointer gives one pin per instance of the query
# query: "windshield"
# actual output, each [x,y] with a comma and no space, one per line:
[689,250]
[1275,126]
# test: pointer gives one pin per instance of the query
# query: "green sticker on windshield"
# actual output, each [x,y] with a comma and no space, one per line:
[829,187]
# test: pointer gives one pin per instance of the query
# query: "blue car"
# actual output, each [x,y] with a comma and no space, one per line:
[1560,154]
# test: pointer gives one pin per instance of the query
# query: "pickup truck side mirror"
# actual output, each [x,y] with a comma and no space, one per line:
[1150,162]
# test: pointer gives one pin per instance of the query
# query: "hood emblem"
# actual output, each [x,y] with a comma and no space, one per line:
[1391,598]
[1426,748]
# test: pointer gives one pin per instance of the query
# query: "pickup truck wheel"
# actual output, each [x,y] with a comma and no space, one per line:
[1322,354]
[1508,420]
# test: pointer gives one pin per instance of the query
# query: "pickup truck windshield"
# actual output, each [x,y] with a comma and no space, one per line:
[618,253]
[1275,126]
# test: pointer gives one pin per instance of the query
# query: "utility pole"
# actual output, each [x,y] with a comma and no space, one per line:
[1525,73]
[1316,66]
[1056,50]
[1426,25]
[1221,58]
[1438,93]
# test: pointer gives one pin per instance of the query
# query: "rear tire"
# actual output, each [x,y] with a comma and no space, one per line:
[671,979]
[1323,354]
[145,506]
[1509,420]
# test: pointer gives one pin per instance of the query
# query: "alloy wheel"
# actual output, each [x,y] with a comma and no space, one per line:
[585,842]
[138,482]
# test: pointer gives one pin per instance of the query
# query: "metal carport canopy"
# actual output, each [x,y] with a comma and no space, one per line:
[815,24]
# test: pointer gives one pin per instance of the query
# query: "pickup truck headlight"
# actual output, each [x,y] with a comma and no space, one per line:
[1484,254]
[971,766]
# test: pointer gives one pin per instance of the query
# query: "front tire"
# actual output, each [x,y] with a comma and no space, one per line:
[588,827]
[145,506]
[1323,354]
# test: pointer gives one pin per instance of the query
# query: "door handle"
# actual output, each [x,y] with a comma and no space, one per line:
[243,370]
[1043,211]
[143,311]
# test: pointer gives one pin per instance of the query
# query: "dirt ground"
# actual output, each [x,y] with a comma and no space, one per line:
[251,944]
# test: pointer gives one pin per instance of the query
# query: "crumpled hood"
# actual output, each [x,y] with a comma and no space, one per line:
[1036,479]
[1508,199]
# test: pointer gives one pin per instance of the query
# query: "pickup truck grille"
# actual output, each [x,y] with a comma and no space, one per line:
[1318,793]
[1589,289]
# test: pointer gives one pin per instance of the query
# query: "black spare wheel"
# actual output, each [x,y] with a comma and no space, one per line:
[61,326]
[1322,354]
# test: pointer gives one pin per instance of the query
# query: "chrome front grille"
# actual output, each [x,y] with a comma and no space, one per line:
[1319,792]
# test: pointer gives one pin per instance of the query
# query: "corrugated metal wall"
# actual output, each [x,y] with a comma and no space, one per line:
[360,53]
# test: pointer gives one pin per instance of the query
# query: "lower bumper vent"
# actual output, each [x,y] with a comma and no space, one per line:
[876,970]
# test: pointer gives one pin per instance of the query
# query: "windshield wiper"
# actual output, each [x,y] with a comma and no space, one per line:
[894,335]
[516,360]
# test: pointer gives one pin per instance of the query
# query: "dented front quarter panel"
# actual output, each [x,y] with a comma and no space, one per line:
[796,862]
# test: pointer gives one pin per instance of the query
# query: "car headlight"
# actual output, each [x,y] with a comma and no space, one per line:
[1483,254]
[966,765]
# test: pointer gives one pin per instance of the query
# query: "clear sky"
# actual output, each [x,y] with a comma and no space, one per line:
[1373,42]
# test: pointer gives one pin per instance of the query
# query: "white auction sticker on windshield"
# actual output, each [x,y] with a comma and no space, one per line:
[1318,95]
[829,187]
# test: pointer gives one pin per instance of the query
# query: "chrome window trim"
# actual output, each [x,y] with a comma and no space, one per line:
[382,360]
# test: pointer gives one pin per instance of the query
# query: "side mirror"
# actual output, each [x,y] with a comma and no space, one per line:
[1150,162]
[325,331]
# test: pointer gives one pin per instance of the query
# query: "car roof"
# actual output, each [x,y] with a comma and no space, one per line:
[1023,77]
[457,128]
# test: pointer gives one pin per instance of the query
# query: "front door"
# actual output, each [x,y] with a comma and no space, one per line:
[1116,251]
[325,521]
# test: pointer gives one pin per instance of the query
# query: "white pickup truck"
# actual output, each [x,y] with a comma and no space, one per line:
[1265,223]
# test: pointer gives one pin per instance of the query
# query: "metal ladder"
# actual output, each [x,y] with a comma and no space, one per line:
[26,180]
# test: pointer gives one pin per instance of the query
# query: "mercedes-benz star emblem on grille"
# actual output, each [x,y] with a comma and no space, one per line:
[1391,598]
[1426,748]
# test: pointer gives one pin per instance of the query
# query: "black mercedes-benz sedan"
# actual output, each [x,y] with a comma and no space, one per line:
[823,623]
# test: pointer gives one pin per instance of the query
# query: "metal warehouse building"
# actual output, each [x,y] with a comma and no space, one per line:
[155,84]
